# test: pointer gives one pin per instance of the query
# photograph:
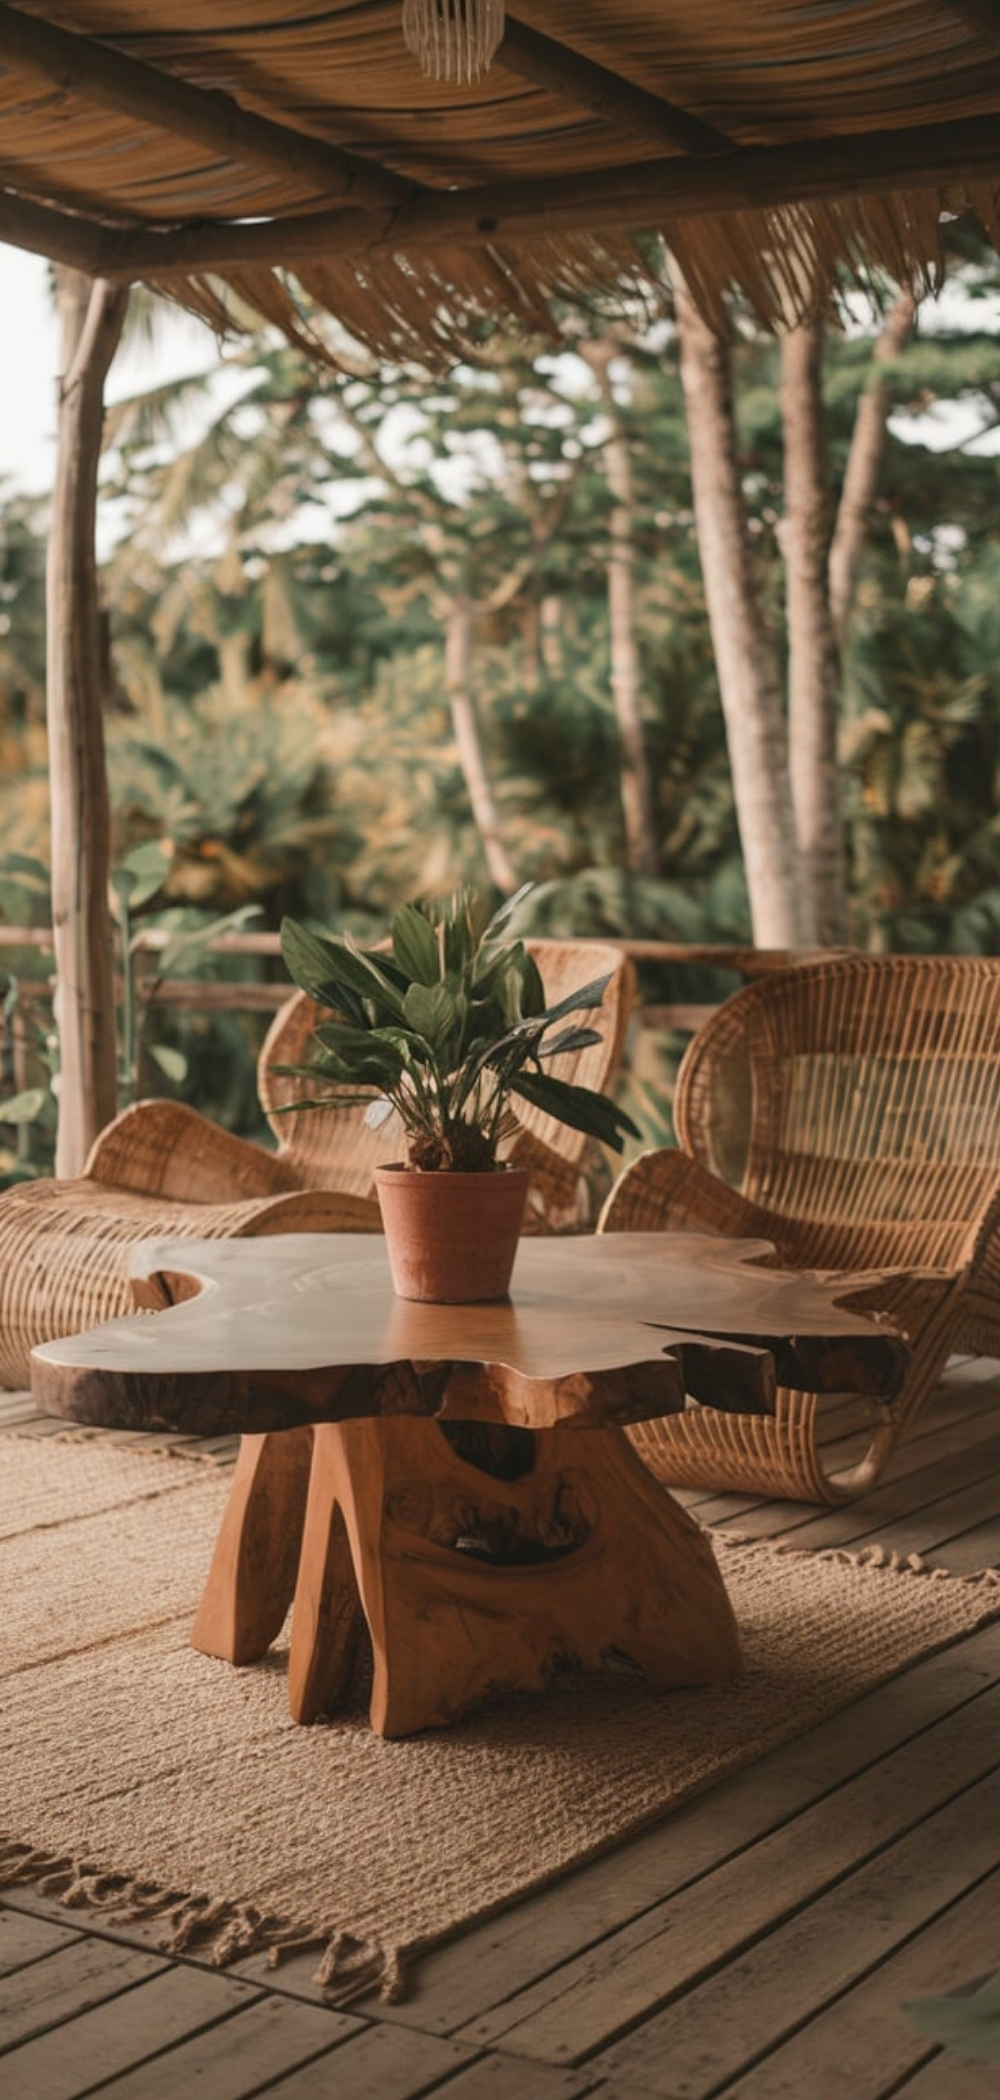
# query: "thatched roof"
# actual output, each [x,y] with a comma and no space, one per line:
[200,143]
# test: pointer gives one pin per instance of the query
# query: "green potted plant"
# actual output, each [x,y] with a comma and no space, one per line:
[444,1028]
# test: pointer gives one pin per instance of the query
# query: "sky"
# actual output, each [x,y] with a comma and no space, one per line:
[27,372]
[28,361]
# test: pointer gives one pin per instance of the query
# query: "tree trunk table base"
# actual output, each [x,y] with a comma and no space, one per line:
[456,1478]
[468,1583]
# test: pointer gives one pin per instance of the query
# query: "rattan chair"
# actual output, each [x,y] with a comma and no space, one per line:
[161,1168]
[848,1111]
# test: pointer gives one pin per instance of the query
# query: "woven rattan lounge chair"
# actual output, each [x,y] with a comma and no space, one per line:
[162,1168]
[849,1111]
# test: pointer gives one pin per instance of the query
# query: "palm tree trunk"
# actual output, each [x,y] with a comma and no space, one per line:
[864,460]
[626,680]
[458,678]
[747,670]
[551,635]
[813,681]
[93,313]
[531,644]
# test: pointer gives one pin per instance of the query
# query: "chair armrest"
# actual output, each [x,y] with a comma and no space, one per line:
[669,1191]
[164,1148]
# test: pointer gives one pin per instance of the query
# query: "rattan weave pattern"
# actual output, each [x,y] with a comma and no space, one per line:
[849,1111]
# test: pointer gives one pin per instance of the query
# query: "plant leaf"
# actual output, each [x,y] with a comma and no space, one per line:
[141,873]
[344,1038]
[454,925]
[26,1107]
[579,1106]
[369,977]
[338,974]
[437,1014]
[378,1112]
[185,947]
[313,964]
[379,1065]
[415,947]
[505,911]
[334,1099]
[570,1039]
[172,1062]
[28,868]
[590,994]
[532,988]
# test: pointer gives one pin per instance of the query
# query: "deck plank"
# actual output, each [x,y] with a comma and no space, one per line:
[525,1948]
[928,1530]
[94,2046]
[382,2063]
[257,2044]
[498,2077]
[864,2046]
[945,1473]
[21,1416]
[964,1410]
[973,1550]
[706,2039]
[682,1940]
[25,1939]
[949,2077]
[65,1983]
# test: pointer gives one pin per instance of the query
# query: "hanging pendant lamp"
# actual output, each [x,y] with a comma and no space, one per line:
[453,39]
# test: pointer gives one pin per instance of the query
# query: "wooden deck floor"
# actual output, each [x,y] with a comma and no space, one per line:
[760,1944]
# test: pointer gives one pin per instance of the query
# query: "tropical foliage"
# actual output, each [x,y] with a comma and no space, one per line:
[370,636]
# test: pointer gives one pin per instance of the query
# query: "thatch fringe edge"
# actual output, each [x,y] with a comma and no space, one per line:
[782,261]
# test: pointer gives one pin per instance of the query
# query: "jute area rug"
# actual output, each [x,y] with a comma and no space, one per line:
[145,1778]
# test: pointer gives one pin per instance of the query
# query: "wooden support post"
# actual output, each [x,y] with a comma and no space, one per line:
[93,314]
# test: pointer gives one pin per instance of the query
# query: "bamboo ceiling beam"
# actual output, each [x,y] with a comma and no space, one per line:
[59,235]
[80,65]
[980,14]
[607,95]
[651,194]
[926,156]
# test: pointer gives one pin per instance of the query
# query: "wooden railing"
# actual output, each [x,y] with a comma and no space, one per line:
[224,995]
[257,997]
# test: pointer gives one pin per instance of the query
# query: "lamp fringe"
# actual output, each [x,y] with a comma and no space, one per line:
[453,39]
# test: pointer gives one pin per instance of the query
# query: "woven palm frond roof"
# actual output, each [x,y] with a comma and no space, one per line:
[250,145]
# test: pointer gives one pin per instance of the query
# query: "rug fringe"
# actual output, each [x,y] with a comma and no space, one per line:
[213,1929]
[204,1451]
[351,1968]
[873,1556]
[22,1863]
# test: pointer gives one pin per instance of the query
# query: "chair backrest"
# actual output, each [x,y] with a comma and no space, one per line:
[851,1089]
[333,1148]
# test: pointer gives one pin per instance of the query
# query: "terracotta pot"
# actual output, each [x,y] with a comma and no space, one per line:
[451,1238]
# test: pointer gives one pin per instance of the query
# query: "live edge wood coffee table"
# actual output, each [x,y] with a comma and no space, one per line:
[457,1477]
